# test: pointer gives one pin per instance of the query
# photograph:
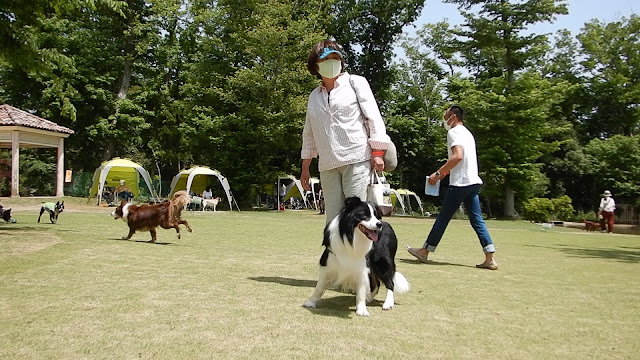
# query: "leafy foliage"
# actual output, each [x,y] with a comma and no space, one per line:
[368,30]
[543,209]
[612,70]
[538,209]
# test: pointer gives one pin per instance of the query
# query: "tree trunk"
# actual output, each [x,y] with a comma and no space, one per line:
[509,207]
[508,59]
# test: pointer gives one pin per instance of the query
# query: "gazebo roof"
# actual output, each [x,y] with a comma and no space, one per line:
[10,116]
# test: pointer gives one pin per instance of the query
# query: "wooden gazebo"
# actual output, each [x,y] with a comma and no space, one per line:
[21,129]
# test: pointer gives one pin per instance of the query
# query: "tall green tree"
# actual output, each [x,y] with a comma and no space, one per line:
[248,87]
[508,106]
[611,69]
[413,111]
[603,164]
[368,30]
[561,67]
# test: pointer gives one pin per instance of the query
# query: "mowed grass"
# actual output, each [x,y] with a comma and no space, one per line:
[234,288]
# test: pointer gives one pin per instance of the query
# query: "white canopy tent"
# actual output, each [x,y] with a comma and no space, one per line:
[196,177]
[315,188]
[293,187]
[111,172]
[406,196]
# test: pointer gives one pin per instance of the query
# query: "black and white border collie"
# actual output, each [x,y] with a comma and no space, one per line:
[359,253]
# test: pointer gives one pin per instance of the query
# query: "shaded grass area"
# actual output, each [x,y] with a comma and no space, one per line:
[234,288]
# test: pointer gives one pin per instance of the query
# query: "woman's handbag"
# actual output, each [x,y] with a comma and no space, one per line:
[390,157]
[379,193]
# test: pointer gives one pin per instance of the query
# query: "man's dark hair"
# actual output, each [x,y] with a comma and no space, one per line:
[316,51]
[457,111]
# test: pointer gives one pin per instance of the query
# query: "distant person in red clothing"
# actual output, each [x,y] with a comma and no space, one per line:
[605,211]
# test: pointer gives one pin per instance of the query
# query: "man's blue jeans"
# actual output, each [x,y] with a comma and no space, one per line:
[455,196]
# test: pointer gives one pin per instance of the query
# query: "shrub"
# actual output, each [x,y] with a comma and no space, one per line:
[543,209]
[538,209]
[580,216]
[562,208]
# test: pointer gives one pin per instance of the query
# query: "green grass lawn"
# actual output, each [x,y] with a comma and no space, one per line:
[234,288]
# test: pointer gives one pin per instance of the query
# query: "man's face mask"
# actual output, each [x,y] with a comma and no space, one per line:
[446,123]
[330,68]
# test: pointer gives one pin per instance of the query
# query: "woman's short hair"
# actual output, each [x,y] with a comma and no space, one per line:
[316,52]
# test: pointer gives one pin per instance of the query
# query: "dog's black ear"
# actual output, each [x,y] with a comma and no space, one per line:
[352,201]
[8,210]
[62,204]
[57,203]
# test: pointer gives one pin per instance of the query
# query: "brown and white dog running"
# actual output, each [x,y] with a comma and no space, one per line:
[148,217]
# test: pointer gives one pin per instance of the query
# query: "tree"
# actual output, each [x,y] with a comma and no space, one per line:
[367,30]
[602,164]
[413,112]
[29,49]
[611,70]
[509,106]
[248,88]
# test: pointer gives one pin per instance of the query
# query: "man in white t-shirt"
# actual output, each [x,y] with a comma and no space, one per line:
[464,185]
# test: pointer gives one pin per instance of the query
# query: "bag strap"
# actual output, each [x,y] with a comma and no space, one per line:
[375,178]
[366,124]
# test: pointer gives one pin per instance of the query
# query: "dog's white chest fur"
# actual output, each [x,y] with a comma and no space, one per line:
[125,212]
[344,262]
[347,264]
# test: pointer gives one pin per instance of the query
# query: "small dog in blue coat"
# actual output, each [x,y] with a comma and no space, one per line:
[53,209]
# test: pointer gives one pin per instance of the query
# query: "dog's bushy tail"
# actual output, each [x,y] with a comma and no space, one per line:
[400,284]
[179,201]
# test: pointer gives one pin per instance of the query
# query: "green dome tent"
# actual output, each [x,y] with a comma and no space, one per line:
[110,172]
[196,179]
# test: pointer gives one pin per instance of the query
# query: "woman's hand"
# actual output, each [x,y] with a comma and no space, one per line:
[377,163]
[304,180]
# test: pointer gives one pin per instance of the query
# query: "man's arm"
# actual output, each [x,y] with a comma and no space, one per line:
[457,153]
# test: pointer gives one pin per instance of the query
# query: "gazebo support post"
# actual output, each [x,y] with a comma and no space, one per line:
[60,169]
[15,162]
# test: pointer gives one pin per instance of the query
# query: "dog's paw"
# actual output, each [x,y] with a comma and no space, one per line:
[388,305]
[362,312]
[189,230]
[309,304]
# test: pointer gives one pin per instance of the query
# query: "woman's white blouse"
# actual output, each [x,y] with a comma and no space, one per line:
[339,129]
